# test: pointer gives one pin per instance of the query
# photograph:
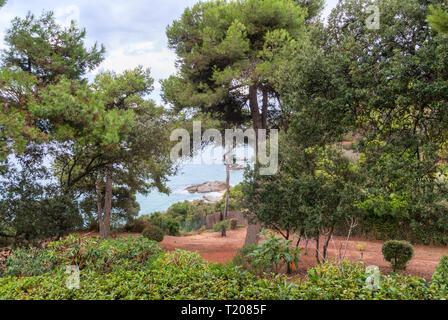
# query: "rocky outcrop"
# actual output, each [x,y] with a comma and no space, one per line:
[212,199]
[207,187]
[236,167]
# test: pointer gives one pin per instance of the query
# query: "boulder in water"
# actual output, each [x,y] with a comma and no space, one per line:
[207,187]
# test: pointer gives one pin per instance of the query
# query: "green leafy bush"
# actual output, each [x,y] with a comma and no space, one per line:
[168,224]
[153,232]
[221,226]
[178,275]
[136,226]
[29,262]
[398,253]
[275,252]
[348,281]
[182,275]
[243,259]
[439,284]
[90,254]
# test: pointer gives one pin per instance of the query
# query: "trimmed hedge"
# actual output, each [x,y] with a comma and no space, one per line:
[398,253]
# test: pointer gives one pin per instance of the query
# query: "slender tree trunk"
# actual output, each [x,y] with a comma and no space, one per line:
[327,243]
[108,201]
[99,205]
[264,111]
[227,160]
[254,229]
[317,249]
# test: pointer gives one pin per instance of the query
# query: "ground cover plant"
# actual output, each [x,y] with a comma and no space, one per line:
[136,268]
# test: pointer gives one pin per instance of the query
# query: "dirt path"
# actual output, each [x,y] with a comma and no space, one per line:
[211,246]
[214,248]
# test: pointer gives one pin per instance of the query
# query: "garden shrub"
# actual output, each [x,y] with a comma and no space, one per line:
[172,226]
[233,224]
[221,226]
[90,254]
[29,262]
[168,224]
[348,281]
[439,284]
[182,275]
[243,259]
[398,253]
[136,226]
[274,252]
[153,232]
[179,275]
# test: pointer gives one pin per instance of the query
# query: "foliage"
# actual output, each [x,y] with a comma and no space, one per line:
[182,275]
[245,260]
[233,224]
[439,19]
[136,226]
[165,222]
[439,284]
[236,202]
[221,226]
[343,77]
[190,216]
[398,253]
[219,45]
[39,55]
[315,190]
[274,252]
[348,281]
[153,232]
[89,254]
[106,139]
[28,262]
[32,207]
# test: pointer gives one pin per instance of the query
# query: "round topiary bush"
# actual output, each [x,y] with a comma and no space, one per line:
[233,224]
[398,253]
[153,232]
[222,227]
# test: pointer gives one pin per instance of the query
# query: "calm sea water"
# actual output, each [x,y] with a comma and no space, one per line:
[188,174]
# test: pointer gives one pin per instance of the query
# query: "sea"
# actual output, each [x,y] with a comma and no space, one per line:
[190,173]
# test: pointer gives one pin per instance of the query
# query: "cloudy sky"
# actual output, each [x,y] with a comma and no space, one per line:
[132,31]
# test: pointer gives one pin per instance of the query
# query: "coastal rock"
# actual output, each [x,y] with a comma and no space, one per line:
[212,199]
[207,187]
[237,167]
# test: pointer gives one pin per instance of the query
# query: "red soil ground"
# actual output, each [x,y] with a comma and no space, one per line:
[214,248]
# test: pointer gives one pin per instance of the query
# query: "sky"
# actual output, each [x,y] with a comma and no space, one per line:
[132,31]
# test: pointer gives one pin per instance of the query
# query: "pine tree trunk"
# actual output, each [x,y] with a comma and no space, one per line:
[99,201]
[108,202]
[254,229]
[264,110]
[227,160]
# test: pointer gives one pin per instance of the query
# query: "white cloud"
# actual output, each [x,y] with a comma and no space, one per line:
[159,60]
[65,15]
